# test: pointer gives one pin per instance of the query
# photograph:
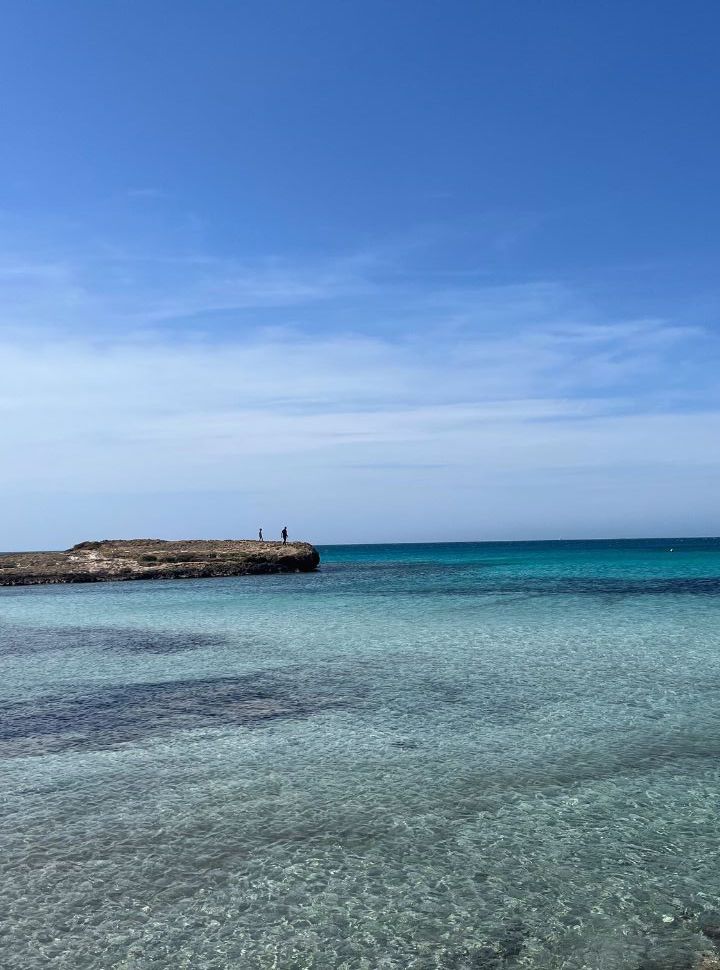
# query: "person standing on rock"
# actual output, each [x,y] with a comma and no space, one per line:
[284,535]
[260,537]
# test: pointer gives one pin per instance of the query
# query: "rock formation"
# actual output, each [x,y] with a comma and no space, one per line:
[122,559]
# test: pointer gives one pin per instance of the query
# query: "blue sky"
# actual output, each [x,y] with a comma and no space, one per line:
[382,271]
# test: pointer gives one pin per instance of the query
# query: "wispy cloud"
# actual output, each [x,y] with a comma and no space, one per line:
[109,292]
[339,385]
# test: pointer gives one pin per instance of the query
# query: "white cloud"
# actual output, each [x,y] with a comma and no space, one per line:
[488,402]
[192,403]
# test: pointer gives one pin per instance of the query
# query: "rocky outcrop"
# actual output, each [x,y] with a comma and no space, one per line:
[124,559]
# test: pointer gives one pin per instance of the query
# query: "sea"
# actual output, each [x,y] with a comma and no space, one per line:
[476,756]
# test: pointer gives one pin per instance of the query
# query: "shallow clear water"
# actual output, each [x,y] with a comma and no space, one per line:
[431,756]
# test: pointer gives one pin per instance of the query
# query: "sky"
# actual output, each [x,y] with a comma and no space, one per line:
[377,271]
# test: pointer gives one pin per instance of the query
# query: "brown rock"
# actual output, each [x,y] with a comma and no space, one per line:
[708,961]
[124,559]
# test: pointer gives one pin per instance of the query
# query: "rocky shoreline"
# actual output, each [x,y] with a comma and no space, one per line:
[113,560]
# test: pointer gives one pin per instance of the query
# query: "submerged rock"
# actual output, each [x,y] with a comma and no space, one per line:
[124,559]
[708,961]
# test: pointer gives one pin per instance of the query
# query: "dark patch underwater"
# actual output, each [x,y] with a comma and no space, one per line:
[106,717]
[20,640]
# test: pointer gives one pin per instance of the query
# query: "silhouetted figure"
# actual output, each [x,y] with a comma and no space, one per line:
[260,538]
[284,535]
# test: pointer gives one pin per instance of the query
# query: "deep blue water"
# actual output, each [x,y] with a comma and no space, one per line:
[487,755]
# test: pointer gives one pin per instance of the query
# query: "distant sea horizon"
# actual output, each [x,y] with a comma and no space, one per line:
[413,542]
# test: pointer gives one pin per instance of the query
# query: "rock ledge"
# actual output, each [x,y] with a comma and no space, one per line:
[124,559]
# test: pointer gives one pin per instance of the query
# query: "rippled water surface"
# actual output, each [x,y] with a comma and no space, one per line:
[440,756]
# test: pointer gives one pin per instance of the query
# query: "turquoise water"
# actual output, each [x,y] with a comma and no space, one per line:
[430,756]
